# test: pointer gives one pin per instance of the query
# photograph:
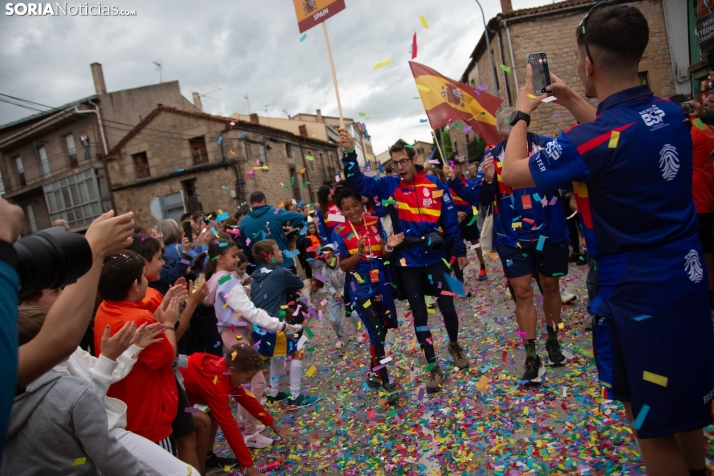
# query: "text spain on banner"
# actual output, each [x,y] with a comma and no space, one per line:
[446,100]
[312,12]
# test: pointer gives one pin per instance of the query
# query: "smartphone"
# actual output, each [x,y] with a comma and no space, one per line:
[541,72]
[188,230]
[687,108]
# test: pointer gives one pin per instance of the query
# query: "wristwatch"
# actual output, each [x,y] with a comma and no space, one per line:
[517,116]
[388,248]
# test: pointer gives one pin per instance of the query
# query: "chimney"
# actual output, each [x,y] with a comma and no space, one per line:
[197,101]
[98,77]
[506,6]
[254,118]
[319,115]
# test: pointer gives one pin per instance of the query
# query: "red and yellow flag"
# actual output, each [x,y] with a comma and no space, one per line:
[446,100]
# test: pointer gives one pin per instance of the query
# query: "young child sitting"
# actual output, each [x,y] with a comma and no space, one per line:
[211,380]
[149,390]
[58,424]
[237,317]
[271,285]
[335,285]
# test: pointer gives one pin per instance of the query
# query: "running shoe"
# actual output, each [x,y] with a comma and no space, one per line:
[582,259]
[280,397]
[301,401]
[216,465]
[373,380]
[256,440]
[555,356]
[566,297]
[434,380]
[482,275]
[458,356]
[588,323]
[534,370]
[389,390]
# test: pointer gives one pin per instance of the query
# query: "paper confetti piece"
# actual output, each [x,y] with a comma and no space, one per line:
[367,304]
[403,262]
[422,329]
[437,193]
[311,371]
[505,68]
[382,64]
[425,89]
[541,242]
[337,218]
[637,424]
[614,138]
[641,318]
[700,125]
[309,333]
[455,285]
[654,378]
[191,410]
[225,278]
[532,96]
[549,99]
[561,325]
[79,461]
[482,383]
[302,38]
[424,22]
[320,277]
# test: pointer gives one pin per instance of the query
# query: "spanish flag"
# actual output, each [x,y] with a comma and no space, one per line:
[446,100]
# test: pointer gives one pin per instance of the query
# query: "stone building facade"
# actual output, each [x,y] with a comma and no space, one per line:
[551,29]
[177,161]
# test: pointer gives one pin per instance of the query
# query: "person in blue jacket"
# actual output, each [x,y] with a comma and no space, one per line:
[630,163]
[531,236]
[266,222]
[422,205]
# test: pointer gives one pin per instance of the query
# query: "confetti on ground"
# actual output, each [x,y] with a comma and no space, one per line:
[382,64]
[483,422]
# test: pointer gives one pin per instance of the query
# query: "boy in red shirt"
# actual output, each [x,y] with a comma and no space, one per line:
[149,390]
[210,380]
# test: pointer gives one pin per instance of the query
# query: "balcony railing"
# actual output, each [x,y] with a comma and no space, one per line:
[33,173]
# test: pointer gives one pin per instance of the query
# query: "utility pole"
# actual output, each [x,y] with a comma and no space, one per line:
[247,98]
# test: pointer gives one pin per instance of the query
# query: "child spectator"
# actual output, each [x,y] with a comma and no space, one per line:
[335,286]
[237,317]
[58,424]
[151,410]
[183,426]
[271,285]
[211,380]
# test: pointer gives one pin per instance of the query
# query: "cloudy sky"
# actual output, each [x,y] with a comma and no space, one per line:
[249,47]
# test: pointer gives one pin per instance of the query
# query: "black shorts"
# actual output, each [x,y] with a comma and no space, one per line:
[551,260]
[469,233]
[183,424]
[706,234]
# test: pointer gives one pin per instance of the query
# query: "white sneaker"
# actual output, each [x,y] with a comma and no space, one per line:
[256,440]
[567,297]
[360,338]
[339,344]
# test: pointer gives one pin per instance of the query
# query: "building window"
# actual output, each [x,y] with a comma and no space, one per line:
[141,164]
[198,150]
[71,150]
[2,186]
[20,170]
[44,161]
[289,150]
[644,79]
[75,199]
[303,130]
[261,154]
[31,217]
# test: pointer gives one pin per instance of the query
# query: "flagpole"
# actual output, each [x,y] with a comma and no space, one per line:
[443,157]
[334,75]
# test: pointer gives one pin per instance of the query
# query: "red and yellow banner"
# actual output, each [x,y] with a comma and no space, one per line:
[446,101]
[312,12]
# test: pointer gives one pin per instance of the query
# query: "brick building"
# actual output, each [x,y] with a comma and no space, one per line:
[551,29]
[178,160]
[47,170]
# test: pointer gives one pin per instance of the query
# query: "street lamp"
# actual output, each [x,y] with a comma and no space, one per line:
[488,47]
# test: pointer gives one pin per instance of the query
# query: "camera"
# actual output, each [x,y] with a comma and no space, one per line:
[687,108]
[50,259]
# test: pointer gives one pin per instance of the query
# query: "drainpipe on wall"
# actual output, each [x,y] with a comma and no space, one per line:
[503,61]
[510,48]
[106,148]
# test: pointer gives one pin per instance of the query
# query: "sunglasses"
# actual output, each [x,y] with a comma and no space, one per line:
[583,23]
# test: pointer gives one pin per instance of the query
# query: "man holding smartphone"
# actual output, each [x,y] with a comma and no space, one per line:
[630,162]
